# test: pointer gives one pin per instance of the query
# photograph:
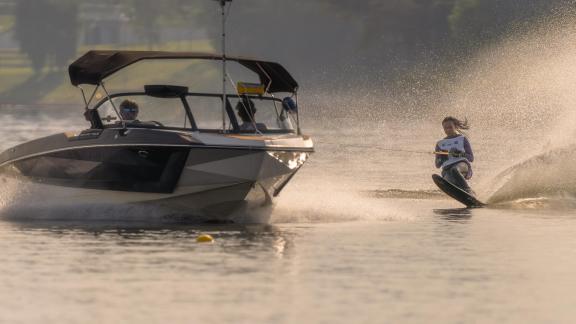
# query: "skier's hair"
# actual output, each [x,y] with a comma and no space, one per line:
[459,124]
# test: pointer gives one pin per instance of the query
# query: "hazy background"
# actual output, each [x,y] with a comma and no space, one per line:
[385,45]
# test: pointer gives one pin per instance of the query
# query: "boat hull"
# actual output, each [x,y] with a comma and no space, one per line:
[191,182]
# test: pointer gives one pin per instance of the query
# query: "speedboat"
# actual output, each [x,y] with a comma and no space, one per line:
[163,134]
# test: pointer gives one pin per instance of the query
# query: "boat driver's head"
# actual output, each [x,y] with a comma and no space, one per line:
[129,110]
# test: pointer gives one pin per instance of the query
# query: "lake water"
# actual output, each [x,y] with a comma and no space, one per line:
[360,236]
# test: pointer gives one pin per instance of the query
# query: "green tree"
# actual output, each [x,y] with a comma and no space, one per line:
[399,30]
[145,16]
[47,31]
[30,23]
[149,16]
[64,28]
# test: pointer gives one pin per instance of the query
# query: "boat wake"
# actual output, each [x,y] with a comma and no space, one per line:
[548,203]
[407,194]
[23,201]
[119,213]
[547,180]
[334,201]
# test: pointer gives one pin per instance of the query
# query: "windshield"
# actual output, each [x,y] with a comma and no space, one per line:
[201,112]
[144,110]
[261,113]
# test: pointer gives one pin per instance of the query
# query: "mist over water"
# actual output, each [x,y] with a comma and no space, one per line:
[518,95]
[523,90]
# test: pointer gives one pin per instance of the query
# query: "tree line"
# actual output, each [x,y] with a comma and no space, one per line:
[412,30]
[48,30]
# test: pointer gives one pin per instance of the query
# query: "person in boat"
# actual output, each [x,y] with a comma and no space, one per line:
[456,154]
[247,111]
[129,111]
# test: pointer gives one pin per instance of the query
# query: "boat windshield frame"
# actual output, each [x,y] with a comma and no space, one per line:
[189,114]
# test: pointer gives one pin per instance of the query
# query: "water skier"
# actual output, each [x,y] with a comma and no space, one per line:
[456,162]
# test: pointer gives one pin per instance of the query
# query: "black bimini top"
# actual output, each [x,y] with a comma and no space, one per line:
[95,66]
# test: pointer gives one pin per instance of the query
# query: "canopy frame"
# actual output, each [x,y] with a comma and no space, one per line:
[95,66]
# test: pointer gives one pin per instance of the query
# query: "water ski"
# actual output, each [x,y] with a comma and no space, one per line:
[457,193]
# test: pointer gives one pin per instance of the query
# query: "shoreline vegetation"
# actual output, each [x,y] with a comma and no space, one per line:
[20,84]
[393,46]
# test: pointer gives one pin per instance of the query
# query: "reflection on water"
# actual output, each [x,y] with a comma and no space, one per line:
[134,271]
[499,266]
[231,238]
[454,214]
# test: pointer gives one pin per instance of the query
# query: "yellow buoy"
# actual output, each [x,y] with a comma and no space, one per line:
[204,238]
